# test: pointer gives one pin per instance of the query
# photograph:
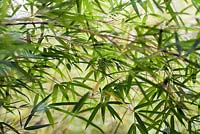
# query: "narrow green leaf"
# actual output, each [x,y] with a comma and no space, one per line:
[148,81]
[158,5]
[113,112]
[171,12]
[38,107]
[160,38]
[2,128]
[142,90]
[64,92]
[172,123]
[62,104]
[132,129]
[18,91]
[181,113]
[50,117]
[133,3]
[61,41]
[28,120]
[178,116]
[36,99]
[19,69]
[148,103]
[100,7]
[141,124]
[178,46]
[193,47]
[115,102]
[157,107]
[9,126]
[93,114]
[80,103]
[151,123]
[37,127]
[109,85]
[103,109]
[82,118]
[143,4]
[129,83]
[196,4]
[16,9]
[55,93]
[88,76]
[78,5]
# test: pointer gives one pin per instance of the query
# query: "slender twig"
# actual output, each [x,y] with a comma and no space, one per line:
[24,23]
[29,23]
[59,25]
[181,57]
[107,36]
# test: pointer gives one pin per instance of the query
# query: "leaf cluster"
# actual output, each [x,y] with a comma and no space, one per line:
[89,59]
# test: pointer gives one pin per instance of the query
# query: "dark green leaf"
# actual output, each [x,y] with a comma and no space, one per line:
[113,112]
[37,127]
[93,114]
[141,124]
[80,103]
[132,129]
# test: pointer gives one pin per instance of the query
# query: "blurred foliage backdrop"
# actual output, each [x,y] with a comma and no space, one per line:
[93,66]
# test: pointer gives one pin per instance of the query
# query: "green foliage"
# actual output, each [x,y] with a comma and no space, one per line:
[98,61]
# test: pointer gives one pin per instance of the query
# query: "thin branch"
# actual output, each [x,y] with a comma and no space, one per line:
[28,23]
[24,23]
[181,57]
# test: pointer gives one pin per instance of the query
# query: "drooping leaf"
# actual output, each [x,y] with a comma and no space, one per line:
[36,127]
[80,103]
[193,47]
[134,4]
[132,129]
[10,127]
[141,124]
[178,45]
[40,106]
[50,117]
[80,117]
[93,114]
[113,112]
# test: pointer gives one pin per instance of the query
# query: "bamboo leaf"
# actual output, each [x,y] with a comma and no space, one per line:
[133,3]
[141,125]
[132,129]
[78,4]
[10,127]
[99,6]
[80,103]
[62,104]
[80,117]
[178,116]
[36,127]
[50,117]
[113,112]
[193,47]
[172,123]
[142,90]
[93,114]
[38,107]
[178,46]
[103,109]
